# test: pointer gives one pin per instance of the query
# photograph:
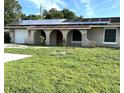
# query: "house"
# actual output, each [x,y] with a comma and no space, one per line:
[86,32]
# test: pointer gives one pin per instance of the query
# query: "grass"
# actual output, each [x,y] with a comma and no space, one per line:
[63,70]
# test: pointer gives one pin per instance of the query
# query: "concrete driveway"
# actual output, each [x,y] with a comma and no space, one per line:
[24,46]
[10,57]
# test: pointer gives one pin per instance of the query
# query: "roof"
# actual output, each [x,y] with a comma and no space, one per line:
[79,21]
[108,19]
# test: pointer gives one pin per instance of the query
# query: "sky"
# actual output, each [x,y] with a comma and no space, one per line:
[85,8]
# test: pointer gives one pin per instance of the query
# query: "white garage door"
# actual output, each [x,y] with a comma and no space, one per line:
[21,35]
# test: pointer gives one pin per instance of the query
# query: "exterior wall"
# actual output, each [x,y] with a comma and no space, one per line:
[65,33]
[21,36]
[118,38]
[85,41]
[11,36]
[97,34]
[33,37]
[47,42]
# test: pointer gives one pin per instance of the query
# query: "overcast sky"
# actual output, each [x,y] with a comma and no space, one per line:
[86,8]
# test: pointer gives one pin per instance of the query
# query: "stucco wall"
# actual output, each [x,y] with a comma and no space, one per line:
[97,34]
[118,38]
[11,36]
[93,34]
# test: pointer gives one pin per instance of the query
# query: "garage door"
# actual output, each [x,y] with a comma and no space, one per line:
[21,35]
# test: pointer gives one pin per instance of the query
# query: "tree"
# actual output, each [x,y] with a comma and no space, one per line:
[52,10]
[30,17]
[23,16]
[58,15]
[51,14]
[54,14]
[68,14]
[12,11]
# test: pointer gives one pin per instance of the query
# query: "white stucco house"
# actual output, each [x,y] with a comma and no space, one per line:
[85,32]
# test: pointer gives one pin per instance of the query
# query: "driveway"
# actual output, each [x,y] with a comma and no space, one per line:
[10,57]
[14,46]
[23,46]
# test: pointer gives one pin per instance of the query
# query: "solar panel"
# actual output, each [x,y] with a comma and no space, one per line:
[104,19]
[57,23]
[85,23]
[115,19]
[85,20]
[94,20]
[97,20]
[73,20]
[36,22]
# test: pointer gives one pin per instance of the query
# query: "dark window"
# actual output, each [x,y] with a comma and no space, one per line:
[76,35]
[110,35]
[6,37]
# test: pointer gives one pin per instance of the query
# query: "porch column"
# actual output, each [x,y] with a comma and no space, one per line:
[31,36]
[47,37]
[85,42]
[65,33]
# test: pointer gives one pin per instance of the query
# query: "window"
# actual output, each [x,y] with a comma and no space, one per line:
[76,35]
[110,35]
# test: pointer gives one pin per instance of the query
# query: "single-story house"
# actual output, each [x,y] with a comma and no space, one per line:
[86,32]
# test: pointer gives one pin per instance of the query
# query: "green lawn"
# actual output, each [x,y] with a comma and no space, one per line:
[64,70]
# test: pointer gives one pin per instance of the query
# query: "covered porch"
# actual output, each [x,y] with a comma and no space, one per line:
[68,37]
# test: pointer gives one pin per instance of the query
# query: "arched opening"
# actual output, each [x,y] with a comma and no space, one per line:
[74,37]
[56,37]
[39,37]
